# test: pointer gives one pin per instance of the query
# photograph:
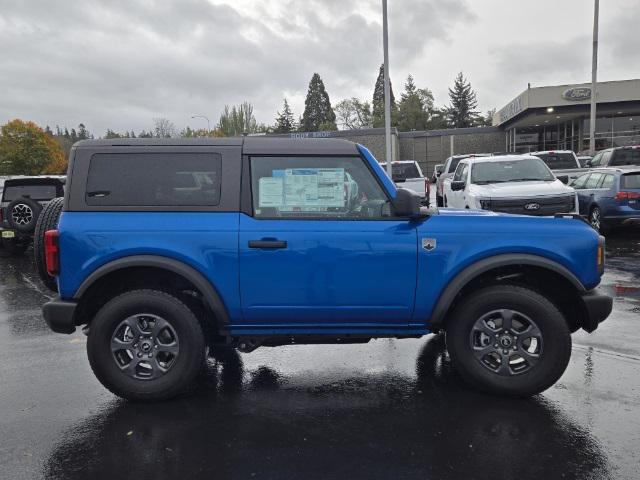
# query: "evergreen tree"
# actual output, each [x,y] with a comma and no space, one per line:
[73,135]
[318,114]
[461,112]
[66,133]
[378,102]
[415,107]
[48,131]
[111,134]
[83,134]
[284,121]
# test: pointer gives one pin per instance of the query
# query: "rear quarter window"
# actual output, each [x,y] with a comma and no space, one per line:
[630,180]
[150,179]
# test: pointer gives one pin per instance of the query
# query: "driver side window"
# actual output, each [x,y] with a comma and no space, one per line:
[316,187]
[596,160]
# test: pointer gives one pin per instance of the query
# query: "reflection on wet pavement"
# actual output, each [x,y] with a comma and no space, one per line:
[387,409]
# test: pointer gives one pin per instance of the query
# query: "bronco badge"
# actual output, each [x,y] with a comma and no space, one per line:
[428,244]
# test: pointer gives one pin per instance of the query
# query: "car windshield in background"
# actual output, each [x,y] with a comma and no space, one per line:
[34,192]
[625,157]
[630,180]
[556,161]
[511,171]
[402,171]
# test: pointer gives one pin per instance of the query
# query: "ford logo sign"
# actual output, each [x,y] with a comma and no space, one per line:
[532,206]
[577,94]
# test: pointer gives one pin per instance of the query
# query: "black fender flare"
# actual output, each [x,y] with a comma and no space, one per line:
[449,294]
[210,295]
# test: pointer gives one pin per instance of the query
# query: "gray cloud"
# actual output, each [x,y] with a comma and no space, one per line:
[118,64]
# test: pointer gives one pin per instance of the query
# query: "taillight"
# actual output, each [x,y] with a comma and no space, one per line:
[627,196]
[52,252]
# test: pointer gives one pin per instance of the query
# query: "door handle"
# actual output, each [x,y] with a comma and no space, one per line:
[267,244]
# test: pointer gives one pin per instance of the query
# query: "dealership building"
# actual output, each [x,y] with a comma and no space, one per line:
[540,118]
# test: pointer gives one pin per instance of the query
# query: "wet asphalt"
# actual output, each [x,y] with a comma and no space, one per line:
[386,409]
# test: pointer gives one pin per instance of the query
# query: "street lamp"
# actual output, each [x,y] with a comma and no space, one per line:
[594,79]
[387,95]
[206,118]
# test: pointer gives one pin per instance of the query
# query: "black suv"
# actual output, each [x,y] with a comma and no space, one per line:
[22,202]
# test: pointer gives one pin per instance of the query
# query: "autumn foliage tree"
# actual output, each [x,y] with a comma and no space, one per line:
[25,149]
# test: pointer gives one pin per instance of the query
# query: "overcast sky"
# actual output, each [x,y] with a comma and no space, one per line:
[119,63]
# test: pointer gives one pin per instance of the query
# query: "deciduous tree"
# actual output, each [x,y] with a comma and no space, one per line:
[354,114]
[25,149]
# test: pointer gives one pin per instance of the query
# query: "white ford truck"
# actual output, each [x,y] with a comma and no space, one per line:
[407,174]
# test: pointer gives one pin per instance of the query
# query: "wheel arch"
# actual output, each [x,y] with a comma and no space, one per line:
[145,264]
[509,266]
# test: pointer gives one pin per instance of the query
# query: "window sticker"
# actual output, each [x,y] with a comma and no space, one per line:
[270,192]
[313,189]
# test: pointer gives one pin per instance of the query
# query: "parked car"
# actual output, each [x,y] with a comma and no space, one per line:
[408,174]
[450,166]
[437,171]
[610,197]
[563,163]
[511,184]
[270,253]
[616,157]
[21,204]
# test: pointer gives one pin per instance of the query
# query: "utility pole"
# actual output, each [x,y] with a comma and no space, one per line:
[387,92]
[594,79]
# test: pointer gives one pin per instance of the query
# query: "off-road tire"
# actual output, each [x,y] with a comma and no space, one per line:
[556,340]
[35,208]
[188,364]
[48,220]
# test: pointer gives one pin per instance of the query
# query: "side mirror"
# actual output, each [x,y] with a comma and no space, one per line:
[438,170]
[458,185]
[563,178]
[407,204]
[587,164]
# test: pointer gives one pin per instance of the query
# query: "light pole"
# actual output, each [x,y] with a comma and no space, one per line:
[594,79]
[206,118]
[387,94]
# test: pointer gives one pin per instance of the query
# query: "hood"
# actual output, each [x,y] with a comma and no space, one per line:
[537,188]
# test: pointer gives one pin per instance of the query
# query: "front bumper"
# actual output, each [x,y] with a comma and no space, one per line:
[60,315]
[596,306]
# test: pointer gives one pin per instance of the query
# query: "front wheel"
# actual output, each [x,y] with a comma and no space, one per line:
[146,345]
[509,340]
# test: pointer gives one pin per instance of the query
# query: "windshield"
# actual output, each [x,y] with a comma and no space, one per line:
[529,169]
[556,161]
[402,171]
[34,192]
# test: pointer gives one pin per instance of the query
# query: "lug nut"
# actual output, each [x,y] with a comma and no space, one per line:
[495,346]
[515,348]
[139,355]
[505,351]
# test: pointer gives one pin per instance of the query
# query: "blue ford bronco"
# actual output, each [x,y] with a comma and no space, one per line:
[163,249]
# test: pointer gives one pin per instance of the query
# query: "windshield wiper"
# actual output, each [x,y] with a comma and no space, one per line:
[528,180]
[486,182]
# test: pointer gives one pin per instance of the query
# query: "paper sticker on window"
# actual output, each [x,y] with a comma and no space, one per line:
[313,189]
[270,192]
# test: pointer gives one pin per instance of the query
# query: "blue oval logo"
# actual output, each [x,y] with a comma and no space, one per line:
[577,94]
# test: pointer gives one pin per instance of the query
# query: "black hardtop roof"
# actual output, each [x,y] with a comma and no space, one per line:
[251,145]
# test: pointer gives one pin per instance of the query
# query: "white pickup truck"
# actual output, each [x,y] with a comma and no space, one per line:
[407,174]
[563,163]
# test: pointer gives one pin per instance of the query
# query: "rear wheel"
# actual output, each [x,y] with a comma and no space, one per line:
[146,345]
[509,340]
